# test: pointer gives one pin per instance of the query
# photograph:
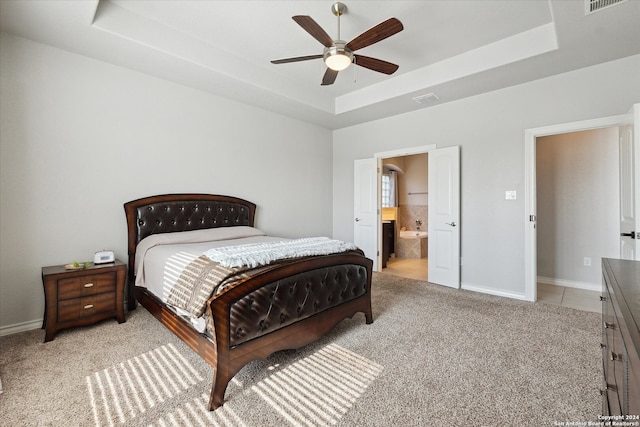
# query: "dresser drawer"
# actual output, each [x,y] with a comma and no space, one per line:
[621,337]
[77,308]
[611,403]
[75,287]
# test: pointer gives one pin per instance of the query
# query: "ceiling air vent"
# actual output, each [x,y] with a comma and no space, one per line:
[426,99]
[596,5]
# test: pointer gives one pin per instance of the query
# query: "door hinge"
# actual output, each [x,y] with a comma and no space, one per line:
[632,234]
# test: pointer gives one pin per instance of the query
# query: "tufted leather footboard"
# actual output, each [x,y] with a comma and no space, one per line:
[294,298]
[285,308]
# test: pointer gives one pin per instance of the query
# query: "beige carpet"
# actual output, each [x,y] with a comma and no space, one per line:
[433,357]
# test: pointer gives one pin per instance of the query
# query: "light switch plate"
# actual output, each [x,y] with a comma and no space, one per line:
[510,195]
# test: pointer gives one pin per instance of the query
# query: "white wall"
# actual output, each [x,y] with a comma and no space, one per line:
[578,202]
[79,137]
[489,128]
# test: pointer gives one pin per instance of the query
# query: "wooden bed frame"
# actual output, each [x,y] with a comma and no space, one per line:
[310,295]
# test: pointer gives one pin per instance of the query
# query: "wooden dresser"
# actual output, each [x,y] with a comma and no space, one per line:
[621,338]
[82,297]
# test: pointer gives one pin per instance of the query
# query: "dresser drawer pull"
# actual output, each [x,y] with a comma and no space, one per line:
[609,325]
[88,285]
[608,387]
[88,306]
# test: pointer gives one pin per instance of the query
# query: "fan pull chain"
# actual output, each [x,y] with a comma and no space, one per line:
[354,69]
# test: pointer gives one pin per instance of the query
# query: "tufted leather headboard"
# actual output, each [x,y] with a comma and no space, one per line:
[182,212]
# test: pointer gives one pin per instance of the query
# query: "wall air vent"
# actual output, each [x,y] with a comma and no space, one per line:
[596,5]
[426,99]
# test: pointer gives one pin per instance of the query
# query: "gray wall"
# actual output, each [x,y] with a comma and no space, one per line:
[578,204]
[79,137]
[490,130]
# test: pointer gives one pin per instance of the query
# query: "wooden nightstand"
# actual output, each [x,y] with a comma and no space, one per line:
[82,297]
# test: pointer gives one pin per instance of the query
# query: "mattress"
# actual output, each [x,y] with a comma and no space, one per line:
[161,258]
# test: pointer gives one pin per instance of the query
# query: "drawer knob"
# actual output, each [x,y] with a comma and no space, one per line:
[609,325]
[88,285]
[88,306]
[615,356]
[603,298]
[603,345]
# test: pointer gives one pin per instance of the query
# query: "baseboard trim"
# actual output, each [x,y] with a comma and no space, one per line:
[597,287]
[29,326]
[491,291]
[20,327]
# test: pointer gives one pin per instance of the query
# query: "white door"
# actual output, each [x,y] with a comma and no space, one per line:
[365,208]
[444,216]
[629,211]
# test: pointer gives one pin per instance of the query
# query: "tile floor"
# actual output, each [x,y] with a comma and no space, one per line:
[578,299]
[569,297]
[405,267]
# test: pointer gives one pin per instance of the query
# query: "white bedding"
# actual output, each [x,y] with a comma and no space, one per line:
[160,258]
[255,254]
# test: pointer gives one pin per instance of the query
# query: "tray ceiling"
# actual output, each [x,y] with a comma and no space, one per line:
[453,49]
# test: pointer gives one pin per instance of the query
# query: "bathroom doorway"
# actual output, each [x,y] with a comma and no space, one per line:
[404,216]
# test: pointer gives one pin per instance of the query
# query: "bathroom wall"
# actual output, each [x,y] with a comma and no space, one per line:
[398,162]
[408,214]
[413,186]
[389,214]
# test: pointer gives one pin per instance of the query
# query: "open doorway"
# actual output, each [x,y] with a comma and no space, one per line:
[628,183]
[577,182]
[443,222]
[404,216]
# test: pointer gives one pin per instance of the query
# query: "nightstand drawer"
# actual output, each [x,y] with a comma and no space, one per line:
[75,287]
[73,309]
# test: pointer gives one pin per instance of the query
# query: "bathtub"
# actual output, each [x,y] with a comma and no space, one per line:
[412,244]
[412,234]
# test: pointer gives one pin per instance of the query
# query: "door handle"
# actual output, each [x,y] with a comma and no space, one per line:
[452,223]
[358,219]
[632,234]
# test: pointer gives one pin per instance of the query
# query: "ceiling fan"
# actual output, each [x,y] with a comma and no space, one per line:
[338,54]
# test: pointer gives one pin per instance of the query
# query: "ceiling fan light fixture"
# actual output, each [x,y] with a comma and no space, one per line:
[337,61]
[338,54]
[338,57]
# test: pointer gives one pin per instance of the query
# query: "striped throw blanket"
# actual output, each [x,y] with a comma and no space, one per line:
[201,279]
[218,269]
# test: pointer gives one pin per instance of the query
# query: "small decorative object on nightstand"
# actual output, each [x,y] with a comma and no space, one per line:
[83,296]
